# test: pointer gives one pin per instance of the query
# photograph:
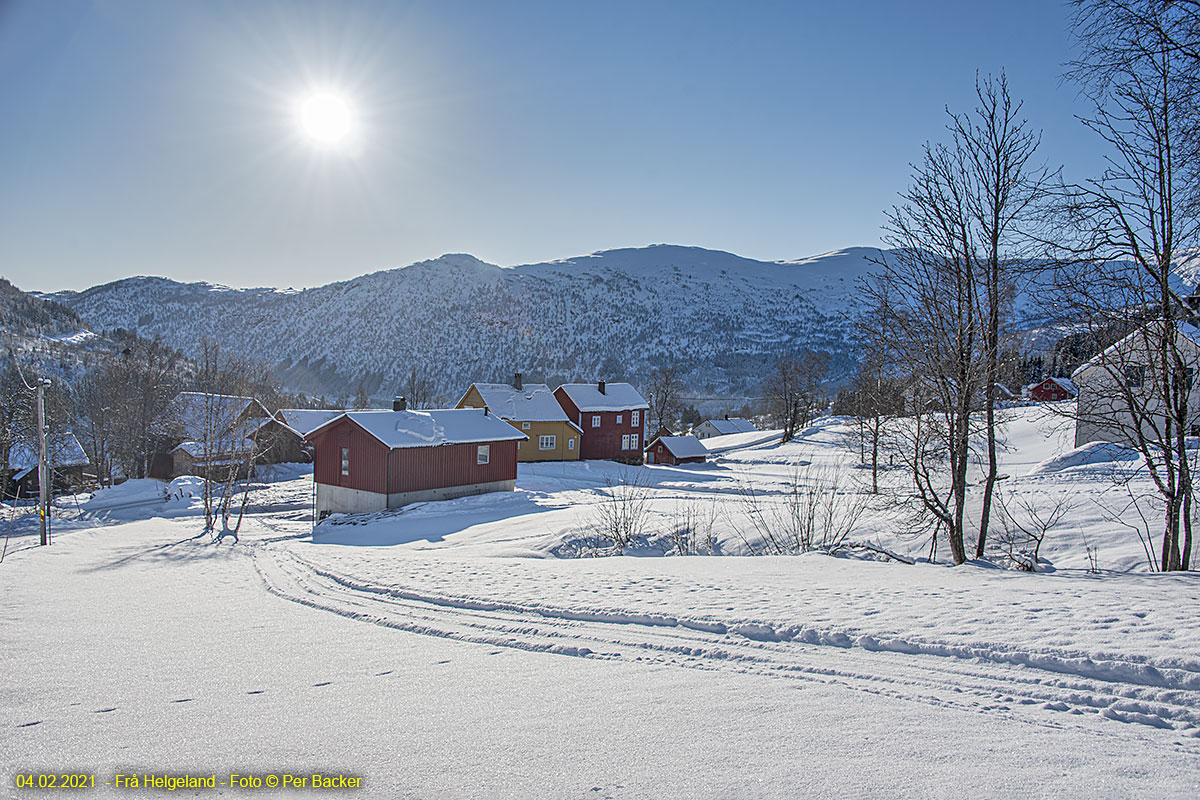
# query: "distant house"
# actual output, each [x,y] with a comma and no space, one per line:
[200,432]
[67,461]
[672,450]
[1052,390]
[373,460]
[1124,372]
[281,436]
[611,416]
[723,427]
[532,409]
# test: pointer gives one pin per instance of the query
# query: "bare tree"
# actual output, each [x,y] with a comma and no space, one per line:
[792,391]
[1140,69]
[663,394]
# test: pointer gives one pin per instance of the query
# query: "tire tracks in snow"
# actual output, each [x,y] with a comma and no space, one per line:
[1046,688]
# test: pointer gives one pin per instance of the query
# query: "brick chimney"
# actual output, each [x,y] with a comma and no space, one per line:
[517,381]
[600,386]
[399,403]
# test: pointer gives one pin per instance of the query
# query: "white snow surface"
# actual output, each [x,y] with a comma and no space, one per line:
[615,397]
[402,429]
[306,420]
[533,402]
[442,651]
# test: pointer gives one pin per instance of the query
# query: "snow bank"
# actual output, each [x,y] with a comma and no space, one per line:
[1091,454]
[132,492]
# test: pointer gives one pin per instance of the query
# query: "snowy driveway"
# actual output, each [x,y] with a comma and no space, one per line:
[134,646]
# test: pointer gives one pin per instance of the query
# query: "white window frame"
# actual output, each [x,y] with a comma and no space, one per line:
[571,443]
[625,441]
[524,426]
[483,454]
[547,441]
[595,420]
[633,441]
[635,418]
[346,462]
[618,419]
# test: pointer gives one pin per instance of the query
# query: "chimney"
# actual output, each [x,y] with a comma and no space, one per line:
[399,403]
[600,385]
[517,381]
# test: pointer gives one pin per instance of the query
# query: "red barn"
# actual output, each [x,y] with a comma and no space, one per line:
[371,460]
[1052,390]
[612,417]
[672,450]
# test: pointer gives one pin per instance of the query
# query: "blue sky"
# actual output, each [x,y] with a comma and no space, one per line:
[160,138]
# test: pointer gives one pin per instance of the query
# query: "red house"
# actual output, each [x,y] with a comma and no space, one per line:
[672,450]
[1052,390]
[612,417]
[371,460]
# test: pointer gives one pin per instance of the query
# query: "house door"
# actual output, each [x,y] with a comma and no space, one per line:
[650,457]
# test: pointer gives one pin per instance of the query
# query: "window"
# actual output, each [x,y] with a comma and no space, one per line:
[625,442]
[524,426]
[633,441]
[1135,375]
[1189,378]
[345,460]
[618,419]
[571,443]
[546,441]
[596,421]
[635,418]
[482,454]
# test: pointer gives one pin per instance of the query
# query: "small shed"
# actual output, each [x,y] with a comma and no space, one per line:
[1052,390]
[672,450]
[367,461]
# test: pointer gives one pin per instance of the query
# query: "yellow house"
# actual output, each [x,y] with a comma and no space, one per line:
[532,409]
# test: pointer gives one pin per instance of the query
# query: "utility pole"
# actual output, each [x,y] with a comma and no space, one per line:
[43,463]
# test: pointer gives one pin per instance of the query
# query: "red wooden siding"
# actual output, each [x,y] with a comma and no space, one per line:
[368,458]
[374,469]
[418,468]
[604,442]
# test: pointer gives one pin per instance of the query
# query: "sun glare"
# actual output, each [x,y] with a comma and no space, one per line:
[326,118]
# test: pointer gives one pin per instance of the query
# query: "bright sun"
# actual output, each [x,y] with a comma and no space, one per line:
[326,118]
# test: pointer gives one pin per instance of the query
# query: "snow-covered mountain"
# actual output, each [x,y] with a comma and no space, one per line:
[723,319]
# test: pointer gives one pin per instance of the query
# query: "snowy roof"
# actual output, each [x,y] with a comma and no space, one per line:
[187,413]
[616,397]
[402,429]
[303,420]
[1189,332]
[219,449]
[63,450]
[737,425]
[533,402]
[682,446]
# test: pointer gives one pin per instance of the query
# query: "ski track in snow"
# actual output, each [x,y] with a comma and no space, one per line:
[1047,688]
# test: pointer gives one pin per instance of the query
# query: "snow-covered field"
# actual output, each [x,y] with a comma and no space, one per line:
[446,651]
